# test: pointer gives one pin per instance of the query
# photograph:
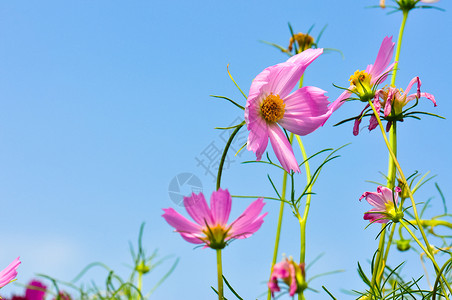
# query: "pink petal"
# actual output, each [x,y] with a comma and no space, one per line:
[9,273]
[249,221]
[410,85]
[258,136]
[192,238]
[282,148]
[425,95]
[356,126]
[382,77]
[374,199]
[373,123]
[220,203]
[388,126]
[383,58]
[293,284]
[259,85]
[339,101]
[429,1]
[198,209]
[180,223]
[375,218]
[248,229]
[285,76]
[306,110]
[387,194]
[429,97]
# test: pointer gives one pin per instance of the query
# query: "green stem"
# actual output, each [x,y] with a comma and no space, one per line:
[434,223]
[430,255]
[140,281]
[399,44]
[386,253]
[428,248]
[225,152]
[308,202]
[391,165]
[220,275]
[278,228]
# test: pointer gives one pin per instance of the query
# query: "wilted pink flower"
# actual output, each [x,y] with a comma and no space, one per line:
[9,273]
[385,203]
[270,103]
[393,100]
[291,274]
[36,290]
[363,83]
[211,226]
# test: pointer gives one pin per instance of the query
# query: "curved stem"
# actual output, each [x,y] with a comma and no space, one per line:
[225,152]
[428,248]
[429,255]
[220,275]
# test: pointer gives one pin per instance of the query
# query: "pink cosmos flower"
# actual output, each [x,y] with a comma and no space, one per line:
[36,290]
[9,273]
[291,273]
[384,202]
[393,100]
[210,227]
[270,103]
[363,83]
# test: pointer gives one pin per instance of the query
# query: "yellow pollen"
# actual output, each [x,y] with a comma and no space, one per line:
[304,41]
[272,108]
[360,76]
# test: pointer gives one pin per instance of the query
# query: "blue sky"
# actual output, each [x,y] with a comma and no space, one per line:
[103,103]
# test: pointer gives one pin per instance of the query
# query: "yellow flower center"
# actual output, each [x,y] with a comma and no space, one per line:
[304,41]
[361,81]
[215,236]
[272,108]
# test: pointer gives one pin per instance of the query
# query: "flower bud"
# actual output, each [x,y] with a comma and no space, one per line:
[403,245]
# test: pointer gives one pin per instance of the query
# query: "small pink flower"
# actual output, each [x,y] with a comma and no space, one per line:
[36,290]
[363,83]
[211,228]
[385,203]
[270,103]
[9,273]
[291,274]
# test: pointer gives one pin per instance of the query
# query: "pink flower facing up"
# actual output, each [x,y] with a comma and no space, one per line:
[363,84]
[9,273]
[385,203]
[211,228]
[291,274]
[270,102]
